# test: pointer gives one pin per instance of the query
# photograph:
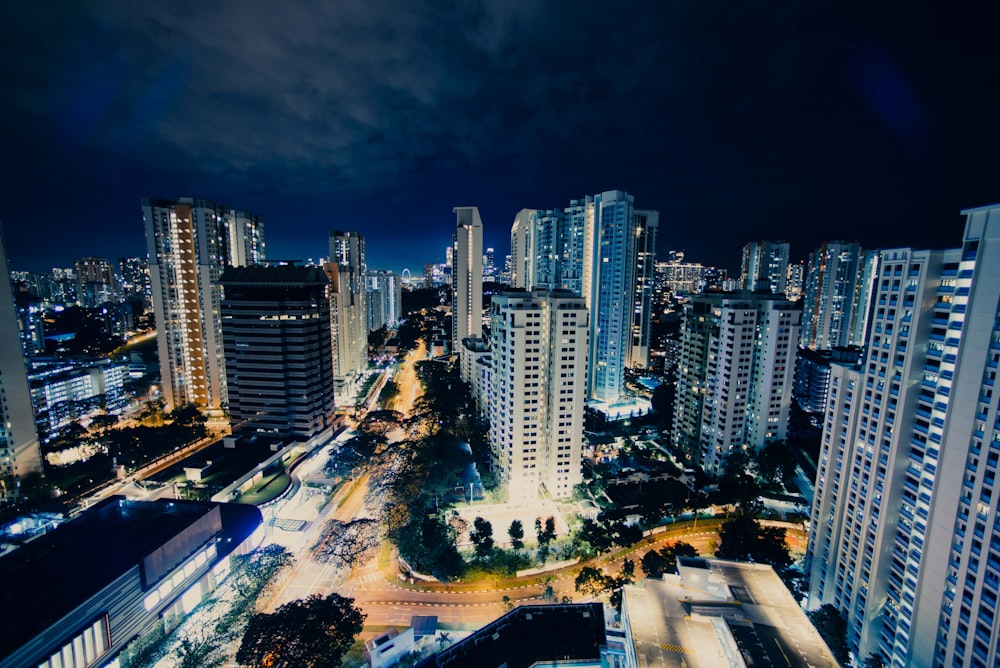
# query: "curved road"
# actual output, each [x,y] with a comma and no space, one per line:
[393,602]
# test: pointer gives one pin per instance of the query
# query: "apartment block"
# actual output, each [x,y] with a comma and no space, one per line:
[536,403]
[905,537]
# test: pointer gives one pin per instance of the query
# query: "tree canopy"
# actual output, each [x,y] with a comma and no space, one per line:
[657,562]
[516,533]
[482,537]
[743,538]
[311,632]
[833,629]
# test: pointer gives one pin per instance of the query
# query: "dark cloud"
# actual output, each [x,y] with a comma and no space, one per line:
[810,121]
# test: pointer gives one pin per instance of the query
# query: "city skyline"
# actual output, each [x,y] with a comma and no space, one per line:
[736,125]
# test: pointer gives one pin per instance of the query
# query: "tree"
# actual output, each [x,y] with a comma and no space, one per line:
[516,533]
[591,581]
[833,629]
[742,538]
[656,563]
[873,660]
[738,481]
[308,632]
[545,533]
[776,463]
[482,537]
[346,544]
[389,392]
[187,415]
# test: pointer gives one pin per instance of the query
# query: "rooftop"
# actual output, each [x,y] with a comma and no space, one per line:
[255,275]
[721,613]
[529,634]
[47,578]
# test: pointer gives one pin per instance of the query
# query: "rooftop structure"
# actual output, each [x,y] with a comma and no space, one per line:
[529,635]
[718,613]
[80,594]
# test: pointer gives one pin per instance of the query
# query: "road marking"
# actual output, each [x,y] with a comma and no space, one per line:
[676,648]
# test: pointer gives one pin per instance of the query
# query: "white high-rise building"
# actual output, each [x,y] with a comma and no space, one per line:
[765,266]
[735,375]
[837,296]
[189,243]
[20,453]
[349,313]
[539,346]
[905,537]
[467,276]
[603,249]
[385,295]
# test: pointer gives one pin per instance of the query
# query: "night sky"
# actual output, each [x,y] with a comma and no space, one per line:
[795,120]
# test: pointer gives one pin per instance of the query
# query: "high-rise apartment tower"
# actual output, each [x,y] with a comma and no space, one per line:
[837,296]
[190,242]
[539,360]
[603,249]
[765,266]
[467,276]
[735,374]
[349,312]
[20,453]
[905,537]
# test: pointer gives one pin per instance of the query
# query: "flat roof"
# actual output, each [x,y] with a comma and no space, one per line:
[529,634]
[47,578]
[674,624]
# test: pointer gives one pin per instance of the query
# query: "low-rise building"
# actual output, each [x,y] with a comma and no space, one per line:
[718,613]
[77,596]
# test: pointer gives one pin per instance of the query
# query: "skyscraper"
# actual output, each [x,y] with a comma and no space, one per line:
[349,312]
[837,296]
[765,266]
[467,276]
[279,364]
[135,277]
[905,538]
[384,296]
[189,243]
[539,350]
[646,227]
[603,249]
[95,280]
[20,453]
[734,378]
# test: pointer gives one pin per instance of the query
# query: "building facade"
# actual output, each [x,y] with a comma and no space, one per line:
[64,391]
[346,271]
[539,344]
[279,364]
[20,453]
[906,538]
[765,266]
[79,595]
[837,296]
[467,276]
[96,283]
[384,296]
[735,375]
[646,228]
[190,243]
[603,249]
